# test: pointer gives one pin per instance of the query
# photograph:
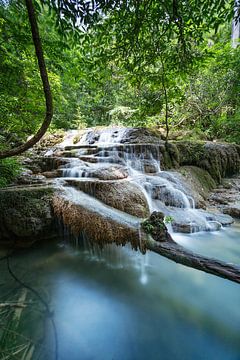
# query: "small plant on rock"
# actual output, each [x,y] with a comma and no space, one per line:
[147,226]
[168,219]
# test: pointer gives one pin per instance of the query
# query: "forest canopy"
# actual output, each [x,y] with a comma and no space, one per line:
[116,62]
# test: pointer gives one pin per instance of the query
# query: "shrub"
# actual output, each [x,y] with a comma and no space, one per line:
[9,169]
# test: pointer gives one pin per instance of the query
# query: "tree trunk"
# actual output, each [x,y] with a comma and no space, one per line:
[161,242]
[165,99]
[180,255]
[46,87]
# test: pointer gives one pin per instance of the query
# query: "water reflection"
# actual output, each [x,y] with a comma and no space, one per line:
[121,305]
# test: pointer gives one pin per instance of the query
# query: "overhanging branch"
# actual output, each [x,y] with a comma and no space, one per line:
[46,87]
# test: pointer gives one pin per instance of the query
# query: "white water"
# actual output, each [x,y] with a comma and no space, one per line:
[163,191]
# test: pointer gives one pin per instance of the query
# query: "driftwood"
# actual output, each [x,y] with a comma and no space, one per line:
[162,243]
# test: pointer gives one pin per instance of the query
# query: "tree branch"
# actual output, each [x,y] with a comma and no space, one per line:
[46,87]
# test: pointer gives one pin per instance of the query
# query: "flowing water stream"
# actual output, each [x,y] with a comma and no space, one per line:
[115,303]
[163,190]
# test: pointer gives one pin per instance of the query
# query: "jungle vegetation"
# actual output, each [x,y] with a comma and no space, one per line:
[166,65]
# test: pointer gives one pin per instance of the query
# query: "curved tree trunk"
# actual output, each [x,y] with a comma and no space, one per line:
[46,87]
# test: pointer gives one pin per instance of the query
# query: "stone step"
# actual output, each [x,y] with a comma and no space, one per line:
[102,159]
[68,153]
[78,152]
[76,147]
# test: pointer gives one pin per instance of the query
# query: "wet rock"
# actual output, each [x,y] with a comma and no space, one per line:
[233,211]
[214,226]
[193,220]
[140,135]
[112,172]
[223,219]
[120,194]
[51,174]
[217,199]
[195,226]
[226,198]
[156,227]
[219,159]
[101,159]
[150,167]
[27,178]
[31,164]
[43,163]
[26,214]
[68,153]
[98,223]
[169,196]
[198,183]
[167,188]
[186,228]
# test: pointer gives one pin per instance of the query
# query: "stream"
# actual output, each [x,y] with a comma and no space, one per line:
[116,303]
[120,304]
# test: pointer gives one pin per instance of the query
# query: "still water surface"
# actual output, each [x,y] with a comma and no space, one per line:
[122,305]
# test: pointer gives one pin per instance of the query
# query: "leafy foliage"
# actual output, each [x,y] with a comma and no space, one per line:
[121,62]
[9,169]
[212,96]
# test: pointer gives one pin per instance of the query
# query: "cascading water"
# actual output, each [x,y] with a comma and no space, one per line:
[98,150]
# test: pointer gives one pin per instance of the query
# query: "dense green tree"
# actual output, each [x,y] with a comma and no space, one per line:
[99,51]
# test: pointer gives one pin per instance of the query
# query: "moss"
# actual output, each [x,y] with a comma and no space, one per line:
[219,160]
[102,230]
[172,157]
[25,213]
[156,227]
[198,175]
[190,153]
[27,199]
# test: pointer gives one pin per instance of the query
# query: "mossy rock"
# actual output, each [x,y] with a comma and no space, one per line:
[220,160]
[26,214]
[198,183]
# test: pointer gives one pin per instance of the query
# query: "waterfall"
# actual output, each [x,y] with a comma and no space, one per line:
[104,155]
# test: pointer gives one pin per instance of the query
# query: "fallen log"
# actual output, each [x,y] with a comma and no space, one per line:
[161,242]
[180,255]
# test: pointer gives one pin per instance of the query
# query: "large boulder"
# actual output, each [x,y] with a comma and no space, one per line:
[26,214]
[123,195]
[109,172]
[198,183]
[140,135]
[90,219]
[219,159]
[232,210]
